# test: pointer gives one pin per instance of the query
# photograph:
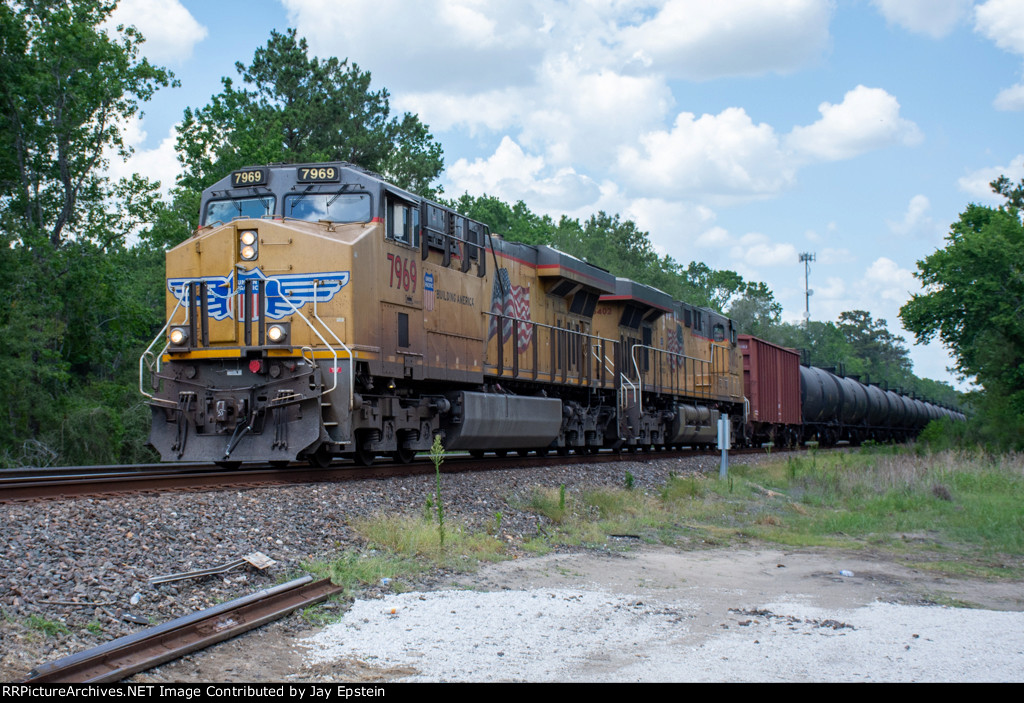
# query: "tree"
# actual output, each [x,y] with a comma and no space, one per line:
[884,355]
[974,297]
[67,89]
[292,108]
[756,311]
[517,223]
[77,301]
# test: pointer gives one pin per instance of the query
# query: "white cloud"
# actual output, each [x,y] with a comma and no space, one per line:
[473,44]
[1002,21]
[834,289]
[493,110]
[756,250]
[724,154]
[511,174]
[1010,99]
[674,226]
[699,40]
[885,280]
[867,119]
[157,164]
[976,183]
[454,45]
[714,238]
[916,221]
[936,18]
[170,30]
[832,255]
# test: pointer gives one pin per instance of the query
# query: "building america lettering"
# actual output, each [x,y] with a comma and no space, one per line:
[455,297]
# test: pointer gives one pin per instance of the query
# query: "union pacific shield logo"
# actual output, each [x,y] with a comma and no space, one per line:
[280,293]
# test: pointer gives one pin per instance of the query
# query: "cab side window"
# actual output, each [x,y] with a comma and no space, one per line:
[403,223]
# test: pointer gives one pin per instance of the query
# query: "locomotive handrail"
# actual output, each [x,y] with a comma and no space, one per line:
[551,327]
[334,353]
[593,350]
[623,391]
[149,352]
[351,356]
[640,376]
[577,333]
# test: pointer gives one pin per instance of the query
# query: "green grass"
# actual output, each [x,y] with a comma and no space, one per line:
[400,548]
[961,514]
[50,628]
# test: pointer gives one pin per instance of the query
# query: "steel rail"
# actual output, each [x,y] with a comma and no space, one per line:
[128,655]
[210,477]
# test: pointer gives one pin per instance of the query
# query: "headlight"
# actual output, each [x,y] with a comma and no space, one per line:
[178,336]
[248,242]
[277,333]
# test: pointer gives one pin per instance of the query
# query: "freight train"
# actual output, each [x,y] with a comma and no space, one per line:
[320,312]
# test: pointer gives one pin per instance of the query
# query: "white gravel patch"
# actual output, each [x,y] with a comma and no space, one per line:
[545,635]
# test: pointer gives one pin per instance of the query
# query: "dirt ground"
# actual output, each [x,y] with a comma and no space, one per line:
[711,592]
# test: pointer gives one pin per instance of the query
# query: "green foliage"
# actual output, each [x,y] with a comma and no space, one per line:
[50,628]
[630,481]
[622,248]
[292,108]
[517,223]
[756,311]
[437,457]
[974,301]
[67,88]
[78,304]
[856,344]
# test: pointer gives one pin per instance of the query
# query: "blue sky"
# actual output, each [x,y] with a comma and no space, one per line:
[738,133]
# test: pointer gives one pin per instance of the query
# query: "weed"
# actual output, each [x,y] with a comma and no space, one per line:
[543,502]
[95,627]
[437,457]
[682,487]
[967,505]
[322,614]
[630,481]
[50,628]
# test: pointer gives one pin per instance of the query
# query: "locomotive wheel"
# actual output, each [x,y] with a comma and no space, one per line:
[321,458]
[476,453]
[523,452]
[280,463]
[404,455]
[563,451]
[501,453]
[542,452]
[363,456]
[229,465]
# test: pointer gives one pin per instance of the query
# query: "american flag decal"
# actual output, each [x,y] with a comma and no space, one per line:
[511,302]
[428,291]
[675,345]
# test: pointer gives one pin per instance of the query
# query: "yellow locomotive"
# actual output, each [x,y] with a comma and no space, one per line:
[320,312]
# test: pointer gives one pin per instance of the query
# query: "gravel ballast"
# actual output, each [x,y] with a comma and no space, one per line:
[75,575]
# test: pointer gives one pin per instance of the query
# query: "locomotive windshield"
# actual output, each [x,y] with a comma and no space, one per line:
[227,210]
[335,207]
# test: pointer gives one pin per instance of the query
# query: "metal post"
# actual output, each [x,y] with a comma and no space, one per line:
[723,444]
[806,258]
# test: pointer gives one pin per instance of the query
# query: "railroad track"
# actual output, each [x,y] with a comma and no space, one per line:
[123,657]
[26,484]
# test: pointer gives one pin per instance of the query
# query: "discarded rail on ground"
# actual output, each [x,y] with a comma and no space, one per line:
[144,650]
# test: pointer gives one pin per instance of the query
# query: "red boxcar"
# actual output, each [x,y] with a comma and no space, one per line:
[771,384]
